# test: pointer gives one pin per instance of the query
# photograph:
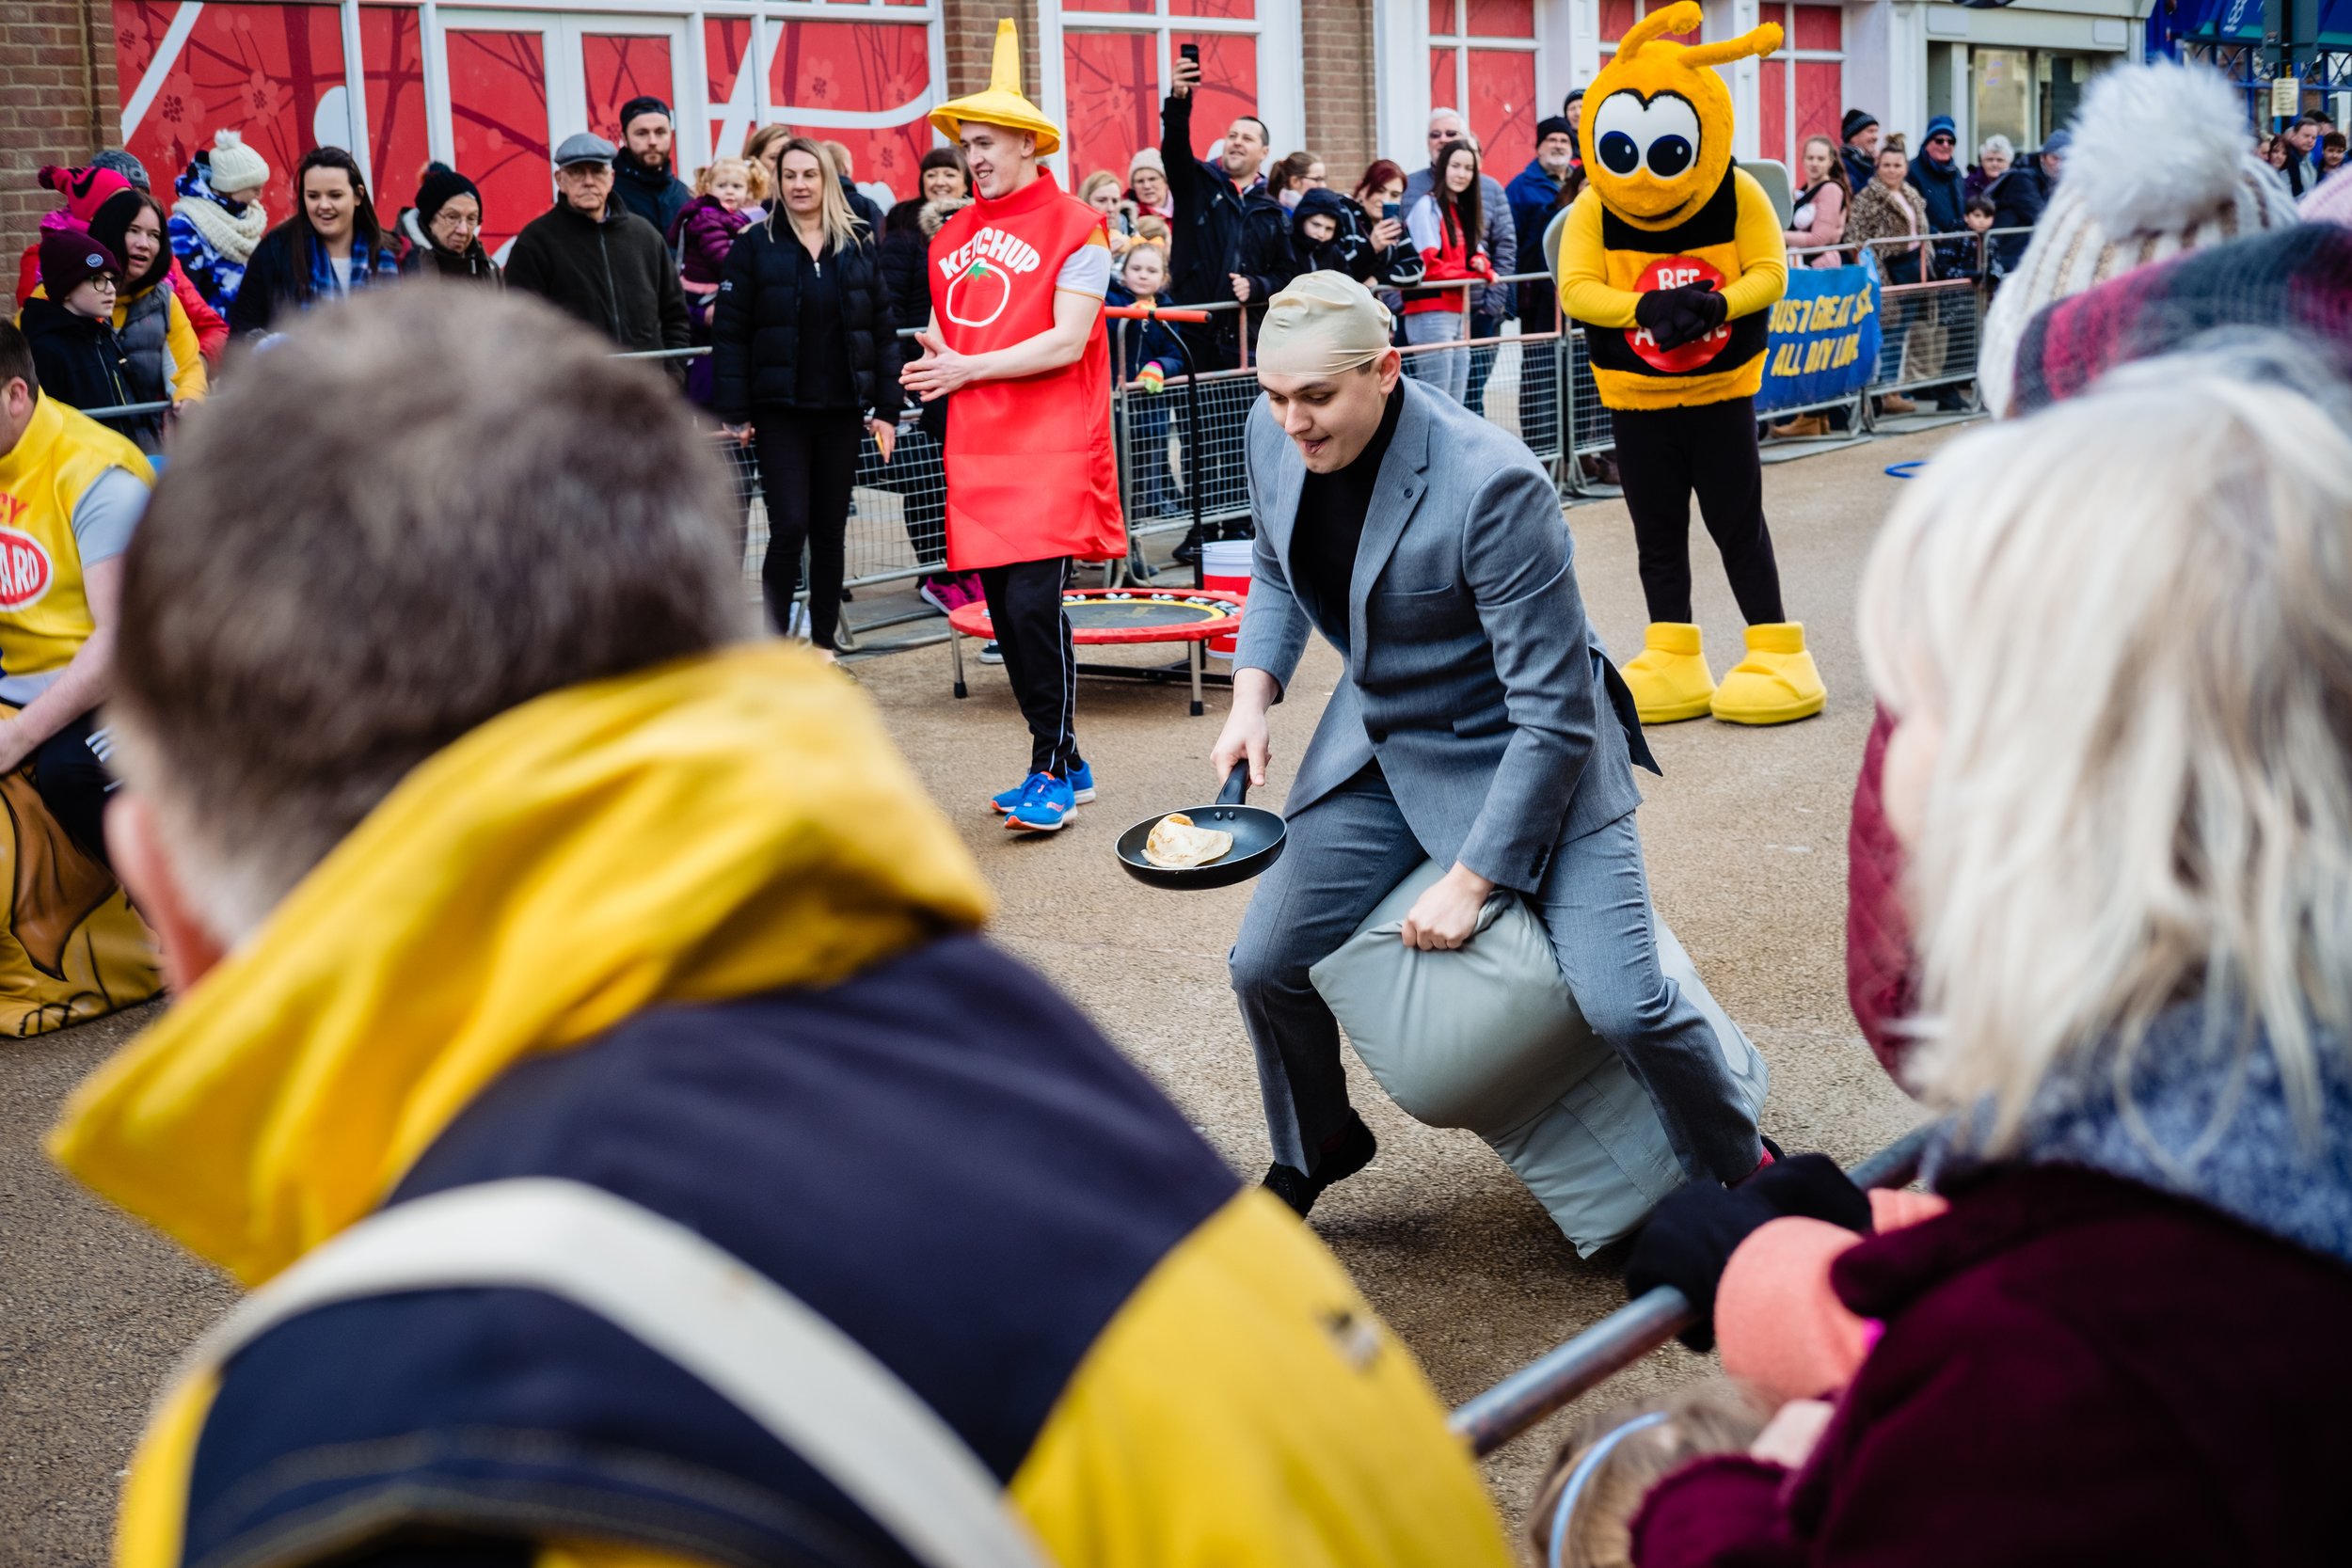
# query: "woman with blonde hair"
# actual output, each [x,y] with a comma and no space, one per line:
[805,363]
[2116,641]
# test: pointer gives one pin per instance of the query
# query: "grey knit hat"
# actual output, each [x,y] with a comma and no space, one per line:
[123,164]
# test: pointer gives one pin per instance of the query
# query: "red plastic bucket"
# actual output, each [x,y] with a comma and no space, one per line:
[1225,567]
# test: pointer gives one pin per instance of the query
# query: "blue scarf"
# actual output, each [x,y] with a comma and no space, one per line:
[2199,1118]
[368,264]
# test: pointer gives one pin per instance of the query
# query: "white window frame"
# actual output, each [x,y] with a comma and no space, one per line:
[1281,86]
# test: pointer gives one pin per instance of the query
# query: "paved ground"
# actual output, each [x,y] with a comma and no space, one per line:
[1746,843]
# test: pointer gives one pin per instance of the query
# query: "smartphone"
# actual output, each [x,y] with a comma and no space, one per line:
[1392,211]
[1190,52]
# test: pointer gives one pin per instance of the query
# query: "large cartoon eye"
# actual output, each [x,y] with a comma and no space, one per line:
[1662,133]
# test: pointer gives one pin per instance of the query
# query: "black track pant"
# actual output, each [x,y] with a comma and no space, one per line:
[1033,634]
[73,780]
[807,464]
[1664,456]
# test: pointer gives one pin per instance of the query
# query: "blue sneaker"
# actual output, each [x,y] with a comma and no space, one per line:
[1045,806]
[1081,791]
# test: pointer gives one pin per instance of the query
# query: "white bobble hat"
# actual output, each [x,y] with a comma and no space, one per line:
[235,165]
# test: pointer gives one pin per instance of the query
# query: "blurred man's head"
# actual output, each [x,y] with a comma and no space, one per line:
[2304,135]
[452,531]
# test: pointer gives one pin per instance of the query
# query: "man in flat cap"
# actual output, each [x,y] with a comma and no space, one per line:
[598,262]
[1478,724]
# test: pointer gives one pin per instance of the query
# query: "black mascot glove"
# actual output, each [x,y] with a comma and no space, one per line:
[1690,1239]
[1673,317]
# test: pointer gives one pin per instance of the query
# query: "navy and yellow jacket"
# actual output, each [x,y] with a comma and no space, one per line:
[695,939]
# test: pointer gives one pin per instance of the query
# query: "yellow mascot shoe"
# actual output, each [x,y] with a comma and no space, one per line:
[1776,683]
[1668,678]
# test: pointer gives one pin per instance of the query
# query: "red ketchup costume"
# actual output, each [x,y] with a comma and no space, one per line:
[1032,478]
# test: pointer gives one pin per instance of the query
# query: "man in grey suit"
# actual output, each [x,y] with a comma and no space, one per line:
[1478,724]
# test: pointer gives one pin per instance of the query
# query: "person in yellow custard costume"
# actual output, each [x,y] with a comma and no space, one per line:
[1673,259]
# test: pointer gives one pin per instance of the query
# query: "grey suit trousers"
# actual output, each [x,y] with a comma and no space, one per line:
[1345,853]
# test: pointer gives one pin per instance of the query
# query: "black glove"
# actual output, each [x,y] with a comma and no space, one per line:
[1673,317]
[1690,1239]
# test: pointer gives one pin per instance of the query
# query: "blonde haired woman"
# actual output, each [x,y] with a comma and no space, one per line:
[804,362]
[2116,638]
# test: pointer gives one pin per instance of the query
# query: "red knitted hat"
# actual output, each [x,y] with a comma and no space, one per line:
[85,189]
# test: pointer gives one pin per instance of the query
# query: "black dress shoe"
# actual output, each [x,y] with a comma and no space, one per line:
[1343,1158]
[1188,549]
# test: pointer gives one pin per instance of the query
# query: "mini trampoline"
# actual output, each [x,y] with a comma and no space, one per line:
[1124,617]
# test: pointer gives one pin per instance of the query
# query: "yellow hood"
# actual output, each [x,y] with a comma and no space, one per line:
[711,829]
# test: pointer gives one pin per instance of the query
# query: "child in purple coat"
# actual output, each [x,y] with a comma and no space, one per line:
[727,196]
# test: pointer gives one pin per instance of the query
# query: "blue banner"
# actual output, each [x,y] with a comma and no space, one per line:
[1824,342]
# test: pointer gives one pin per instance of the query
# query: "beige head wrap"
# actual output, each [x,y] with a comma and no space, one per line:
[1323,323]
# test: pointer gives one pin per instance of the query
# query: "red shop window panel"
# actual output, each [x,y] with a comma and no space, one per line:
[498,111]
[617,67]
[1501,19]
[879,72]
[1108,80]
[1229,83]
[1818,28]
[389,49]
[1109,8]
[1229,11]
[1445,19]
[268,71]
[1444,86]
[1821,91]
[726,51]
[1771,114]
[1503,108]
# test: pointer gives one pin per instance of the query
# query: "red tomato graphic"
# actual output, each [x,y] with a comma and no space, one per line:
[1678,271]
[979,296]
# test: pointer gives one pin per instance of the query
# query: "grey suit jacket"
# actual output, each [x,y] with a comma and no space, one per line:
[1472,674]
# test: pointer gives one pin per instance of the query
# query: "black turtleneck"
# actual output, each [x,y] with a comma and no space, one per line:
[1331,511]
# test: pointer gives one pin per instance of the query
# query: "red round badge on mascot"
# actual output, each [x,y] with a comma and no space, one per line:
[1678,271]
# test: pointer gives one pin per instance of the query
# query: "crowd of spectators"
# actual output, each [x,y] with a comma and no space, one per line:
[630,247]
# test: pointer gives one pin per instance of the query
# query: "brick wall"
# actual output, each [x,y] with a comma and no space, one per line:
[1337,63]
[970,27]
[56,59]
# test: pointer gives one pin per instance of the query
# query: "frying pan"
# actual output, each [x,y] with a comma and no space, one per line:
[1258,835]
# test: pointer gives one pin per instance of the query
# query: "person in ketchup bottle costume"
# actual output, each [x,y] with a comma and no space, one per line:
[1673,259]
[1016,338]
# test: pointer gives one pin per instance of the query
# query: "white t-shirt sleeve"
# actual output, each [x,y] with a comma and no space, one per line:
[107,514]
[1088,271]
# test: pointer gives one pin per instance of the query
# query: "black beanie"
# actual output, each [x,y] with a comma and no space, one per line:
[435,191]
[1554,125]
[645,105]
[1854,124]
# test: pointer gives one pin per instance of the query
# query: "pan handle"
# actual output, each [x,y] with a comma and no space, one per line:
[1237,788]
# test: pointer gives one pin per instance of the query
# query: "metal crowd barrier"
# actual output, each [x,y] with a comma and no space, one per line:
[898,522]
[1575,1367]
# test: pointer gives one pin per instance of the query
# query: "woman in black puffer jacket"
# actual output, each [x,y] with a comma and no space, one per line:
[805,357]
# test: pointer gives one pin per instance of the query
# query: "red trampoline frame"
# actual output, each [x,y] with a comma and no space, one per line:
[971,621]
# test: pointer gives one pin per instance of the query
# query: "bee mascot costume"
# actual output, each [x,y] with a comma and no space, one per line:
[1673,259]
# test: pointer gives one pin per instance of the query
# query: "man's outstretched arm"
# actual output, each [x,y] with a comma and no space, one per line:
[942,370]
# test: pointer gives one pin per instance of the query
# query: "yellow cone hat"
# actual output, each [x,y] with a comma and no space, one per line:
[1002,104]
